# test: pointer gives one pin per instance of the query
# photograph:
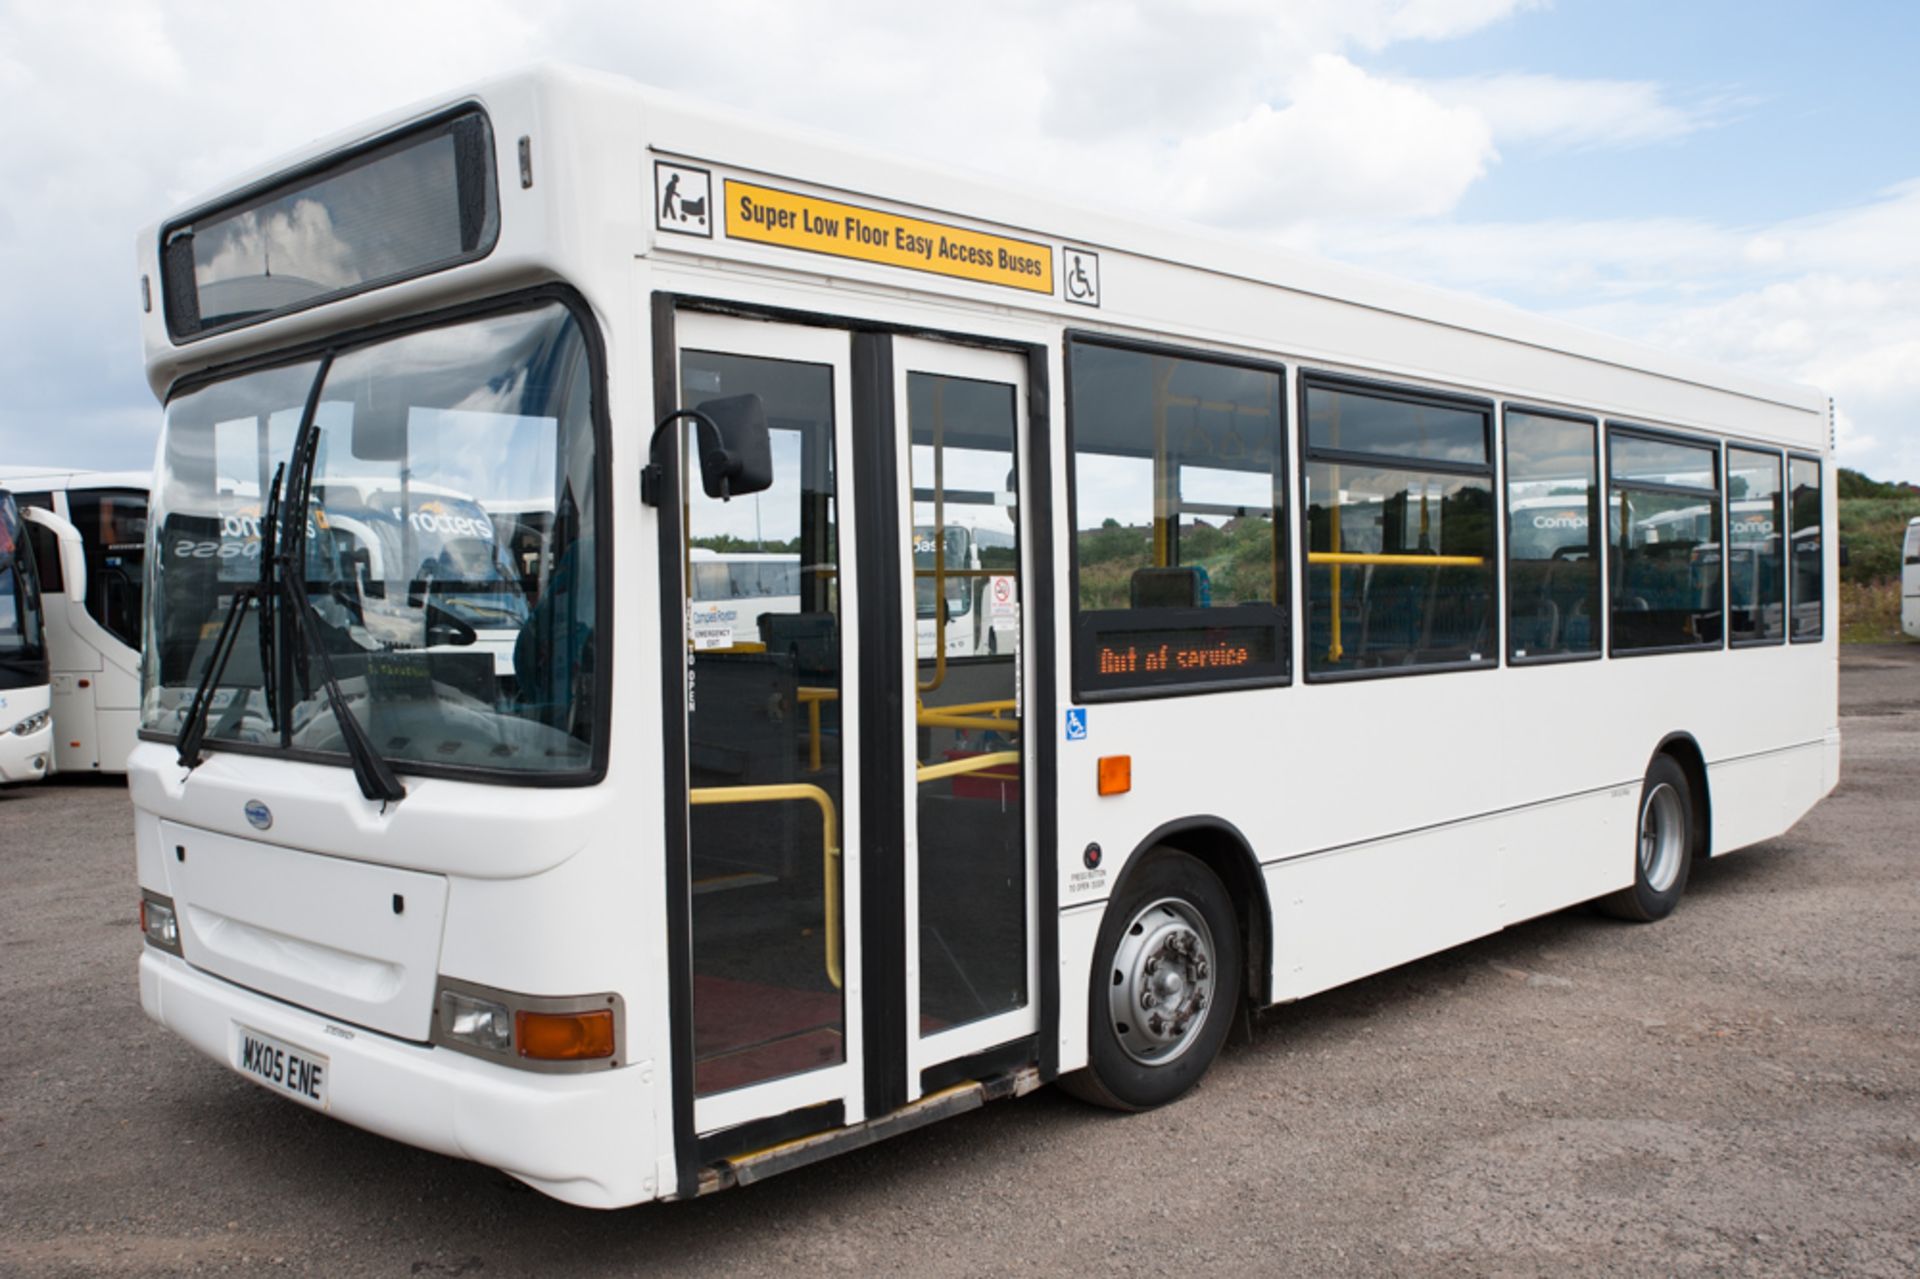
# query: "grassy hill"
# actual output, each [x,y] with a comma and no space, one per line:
[1873,524]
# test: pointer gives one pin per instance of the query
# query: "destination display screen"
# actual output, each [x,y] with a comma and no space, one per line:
[410,205]
[1130,656]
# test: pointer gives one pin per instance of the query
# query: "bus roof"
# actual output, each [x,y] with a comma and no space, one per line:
[66,478]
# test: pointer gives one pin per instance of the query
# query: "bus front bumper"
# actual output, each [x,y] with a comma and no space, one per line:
[583,1139]
[25,758]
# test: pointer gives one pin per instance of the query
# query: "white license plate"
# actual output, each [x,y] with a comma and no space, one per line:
[281,1066]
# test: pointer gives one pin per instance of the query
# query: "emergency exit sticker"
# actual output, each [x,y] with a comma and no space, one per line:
[767,215]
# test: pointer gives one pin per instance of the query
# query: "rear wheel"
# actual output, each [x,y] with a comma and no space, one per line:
[1663,848]
[1166,978]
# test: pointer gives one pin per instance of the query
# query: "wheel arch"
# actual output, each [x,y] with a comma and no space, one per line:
[1685,751]
[1221,847]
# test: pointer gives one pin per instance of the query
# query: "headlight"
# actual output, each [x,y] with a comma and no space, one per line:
[159,923]
[33,723]
[531,1032]
[481,1023]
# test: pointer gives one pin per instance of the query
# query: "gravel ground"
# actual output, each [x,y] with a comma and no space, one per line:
[1733,1091]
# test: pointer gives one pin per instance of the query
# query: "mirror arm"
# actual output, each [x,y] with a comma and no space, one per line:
[652,475]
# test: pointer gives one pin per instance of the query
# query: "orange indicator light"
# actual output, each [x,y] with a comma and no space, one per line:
[1116,774]
[564,1036]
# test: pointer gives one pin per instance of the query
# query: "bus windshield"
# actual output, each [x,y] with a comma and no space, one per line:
[449,551]
[23,646]
[442,544]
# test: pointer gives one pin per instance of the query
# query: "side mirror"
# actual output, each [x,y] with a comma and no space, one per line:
[736,450]
[736,457]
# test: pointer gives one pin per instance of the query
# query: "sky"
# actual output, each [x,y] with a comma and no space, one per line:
[1735,181]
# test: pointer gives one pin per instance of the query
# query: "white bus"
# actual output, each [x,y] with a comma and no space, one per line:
[1910,580]
[89,530]
[26,719]
[656,912]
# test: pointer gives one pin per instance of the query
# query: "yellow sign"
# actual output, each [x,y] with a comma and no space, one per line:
[793,221]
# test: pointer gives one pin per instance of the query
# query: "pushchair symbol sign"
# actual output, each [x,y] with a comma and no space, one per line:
[682,198]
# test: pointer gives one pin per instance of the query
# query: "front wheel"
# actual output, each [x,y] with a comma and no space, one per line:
[1166,979]
[1663,847]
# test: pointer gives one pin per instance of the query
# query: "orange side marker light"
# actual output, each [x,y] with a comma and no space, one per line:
[564,1036]
[1116,774]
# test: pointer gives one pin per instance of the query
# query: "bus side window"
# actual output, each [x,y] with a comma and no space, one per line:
[46,558]
[1807,555]
[1401,525]
[1553,536]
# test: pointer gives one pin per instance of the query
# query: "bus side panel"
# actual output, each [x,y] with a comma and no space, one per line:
[1761,796]
[119,733]
[1079,933]
[1344,915]
[1554,855]
[75,744]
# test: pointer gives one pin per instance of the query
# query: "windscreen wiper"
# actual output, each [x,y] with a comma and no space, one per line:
[269,549]
[375,775]
[193,730]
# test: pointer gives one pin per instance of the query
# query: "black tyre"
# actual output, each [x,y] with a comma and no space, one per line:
[1663,846]
[1165,985]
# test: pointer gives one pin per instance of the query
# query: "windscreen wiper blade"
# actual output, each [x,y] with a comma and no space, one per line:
[269,548]
[375,776]
[194,728]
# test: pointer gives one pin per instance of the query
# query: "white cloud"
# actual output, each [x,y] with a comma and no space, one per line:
[1447,19]
[1347,144]
[1558,112]
[1826,300]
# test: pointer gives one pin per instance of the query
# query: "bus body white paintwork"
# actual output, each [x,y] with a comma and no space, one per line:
[1370,850]
[26,728]
[96,672]
[1910,580]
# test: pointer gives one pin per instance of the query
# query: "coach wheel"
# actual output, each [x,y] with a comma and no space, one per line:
[1166,978]
[1663,847]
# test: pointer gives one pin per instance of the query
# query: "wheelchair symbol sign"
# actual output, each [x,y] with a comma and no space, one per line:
[1077,724]
[1080,276]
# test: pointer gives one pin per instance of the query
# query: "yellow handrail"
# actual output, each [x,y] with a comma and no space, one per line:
[1413,561]
[1335,649]
[971,764]
[985,717]
[829,835]
[811,697]
[940,718]
[977,708]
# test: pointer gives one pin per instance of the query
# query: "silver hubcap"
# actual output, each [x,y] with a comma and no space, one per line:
[1662,837]
[1162,988]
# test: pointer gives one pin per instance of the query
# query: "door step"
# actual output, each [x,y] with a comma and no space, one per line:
[758,1165]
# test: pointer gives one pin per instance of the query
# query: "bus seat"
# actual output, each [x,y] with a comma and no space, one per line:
[1184,587]
[810,640]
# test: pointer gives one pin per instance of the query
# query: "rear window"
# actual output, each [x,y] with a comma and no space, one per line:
[403,207]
